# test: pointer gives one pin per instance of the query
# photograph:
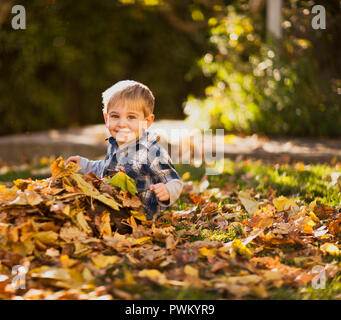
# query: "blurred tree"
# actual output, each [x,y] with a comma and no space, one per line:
[263,85]
[53,73]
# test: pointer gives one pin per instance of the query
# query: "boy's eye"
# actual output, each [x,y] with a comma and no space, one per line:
[114,116]
[131,117]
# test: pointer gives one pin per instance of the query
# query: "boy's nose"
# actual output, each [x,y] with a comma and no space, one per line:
[122,122]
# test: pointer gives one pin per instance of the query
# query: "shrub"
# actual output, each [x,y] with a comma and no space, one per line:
[264,85]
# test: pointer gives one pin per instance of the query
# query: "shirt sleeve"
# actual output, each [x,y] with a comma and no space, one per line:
[163,171]
[174,188]
[88,166]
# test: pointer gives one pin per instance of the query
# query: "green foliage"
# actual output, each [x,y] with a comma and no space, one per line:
[268,86]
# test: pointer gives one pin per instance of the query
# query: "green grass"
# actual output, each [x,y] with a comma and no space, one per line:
[288,180]
[29,171]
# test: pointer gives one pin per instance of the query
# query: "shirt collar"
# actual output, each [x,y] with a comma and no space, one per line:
[147,140]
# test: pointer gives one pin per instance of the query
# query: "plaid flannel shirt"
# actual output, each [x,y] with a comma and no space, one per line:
[145,160]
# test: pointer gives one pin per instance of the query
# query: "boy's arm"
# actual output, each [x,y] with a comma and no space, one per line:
[162,167]
[88,166]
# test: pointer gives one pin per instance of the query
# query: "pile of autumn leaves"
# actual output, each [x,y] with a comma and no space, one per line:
[80,237]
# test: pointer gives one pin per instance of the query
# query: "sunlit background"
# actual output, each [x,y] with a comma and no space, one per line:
[219,64]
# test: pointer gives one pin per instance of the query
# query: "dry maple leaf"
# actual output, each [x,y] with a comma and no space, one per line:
[59,169]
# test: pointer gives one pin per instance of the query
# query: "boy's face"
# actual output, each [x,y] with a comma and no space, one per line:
[126,123]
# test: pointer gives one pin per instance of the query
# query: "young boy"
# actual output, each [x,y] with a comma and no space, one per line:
[128,112]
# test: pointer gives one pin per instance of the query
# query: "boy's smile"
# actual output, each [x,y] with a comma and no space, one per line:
[126,122]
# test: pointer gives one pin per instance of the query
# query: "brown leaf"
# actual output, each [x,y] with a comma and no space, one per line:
[70,233]
[334,226]
[102,223]
[59,169]
[323,211]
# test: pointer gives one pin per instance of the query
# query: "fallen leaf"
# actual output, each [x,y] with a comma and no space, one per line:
[103,261]
[139,215]
[330,248]
[241,249]
[47,237]
[102,223]
[249,204]
[143,240]
[282,203]
[123,181]
[190,271]
[153,275]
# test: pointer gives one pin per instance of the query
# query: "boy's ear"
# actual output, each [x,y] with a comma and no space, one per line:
[150,119]
[105,115]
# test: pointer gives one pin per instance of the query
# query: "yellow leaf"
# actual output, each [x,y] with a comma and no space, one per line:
[313,216]
[142,240]
[47,237]
[87,276]
[128,278]
[82,222]
[282,203]
[59,169]
[249,204]
[154,275]
[240,248]
[7,195]
[204,252]
[33,198]
[139,215]
[190,271]
[103,224]
[13,234]
[331,249]
[308,226]
[272,275]
[91,191]
[312,205]
[103,261]
[67,210]
[66,261]
[244,280]
[50,273]
[67,185]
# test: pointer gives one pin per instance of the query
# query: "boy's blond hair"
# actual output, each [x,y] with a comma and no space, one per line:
[138,94]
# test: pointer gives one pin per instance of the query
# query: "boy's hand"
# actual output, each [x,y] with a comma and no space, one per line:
[160,191]
[74,159]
